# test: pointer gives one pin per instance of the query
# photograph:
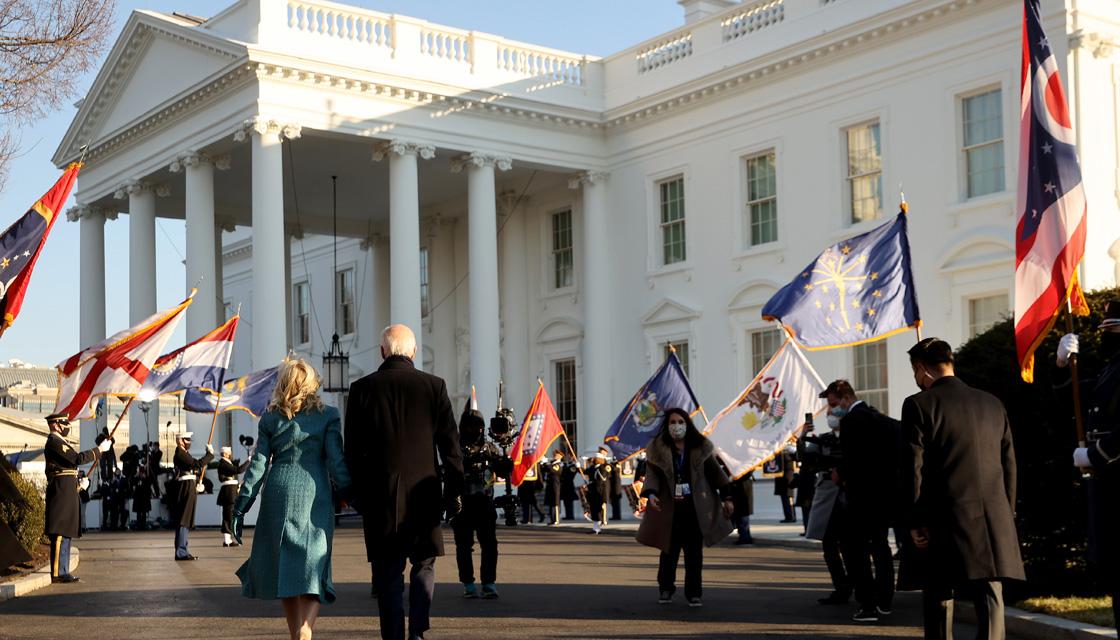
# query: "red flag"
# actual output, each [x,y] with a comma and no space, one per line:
[542,427]
[21,243]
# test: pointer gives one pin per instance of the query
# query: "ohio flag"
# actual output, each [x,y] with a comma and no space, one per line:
[1050,235]
[542,428]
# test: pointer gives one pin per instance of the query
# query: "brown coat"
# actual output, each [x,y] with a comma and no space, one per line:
[708,478]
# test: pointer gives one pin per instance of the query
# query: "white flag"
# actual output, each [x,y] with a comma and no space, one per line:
[768,413]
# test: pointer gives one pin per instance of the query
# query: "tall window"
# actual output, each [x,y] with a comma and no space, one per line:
[671,193]
[562,257]
[762,199]
[865,172]
[425,289]
[764,344]
[301,319]
[682,353]
[344,314]
[870,374]
[983,142]
[565,394]
[985,312]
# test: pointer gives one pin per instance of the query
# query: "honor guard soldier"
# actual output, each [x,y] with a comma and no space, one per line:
[63,501]
[599,471]
[228,470]
[552,472]
[1102,453]
[187,471]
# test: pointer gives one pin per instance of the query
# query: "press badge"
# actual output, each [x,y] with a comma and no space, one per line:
[682,490]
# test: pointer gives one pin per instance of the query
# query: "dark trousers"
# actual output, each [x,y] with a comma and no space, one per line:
[60,556]
[141,520]
[833,556]
[986,596]
[805,509]
[787,508]
[868,542]
[685,536]
[743,525]
[616,507]
[388,582]
[568,513]
[227,518]
[478,517]
[182,541]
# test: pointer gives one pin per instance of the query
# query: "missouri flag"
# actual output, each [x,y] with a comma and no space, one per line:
[21,243]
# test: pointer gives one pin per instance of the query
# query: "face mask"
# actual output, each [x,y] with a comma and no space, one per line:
[1110,344]
[678,430]
[833,421]
[839,412]
[64,431]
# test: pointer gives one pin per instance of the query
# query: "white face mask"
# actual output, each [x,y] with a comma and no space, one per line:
[678,430]
[833,421]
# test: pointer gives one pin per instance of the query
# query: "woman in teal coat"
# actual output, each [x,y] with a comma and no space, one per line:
[299,444]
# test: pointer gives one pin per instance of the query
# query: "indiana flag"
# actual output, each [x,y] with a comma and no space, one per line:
[250,393]
[1050,235]
[117,366]
[201,364]
[21,243]
[542,428]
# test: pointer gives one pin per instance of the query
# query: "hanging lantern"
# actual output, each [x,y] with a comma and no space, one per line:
[336,368]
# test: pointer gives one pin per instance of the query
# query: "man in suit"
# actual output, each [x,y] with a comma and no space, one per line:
[397,420]
[958,477]
[868,474]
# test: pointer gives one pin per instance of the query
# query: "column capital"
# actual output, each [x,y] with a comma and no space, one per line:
[434,223]
[375,240]
[78,212]
[587,177]
[137,187]
[261,126]
[480,159]
[402,148]
[1102,46]
[199,158]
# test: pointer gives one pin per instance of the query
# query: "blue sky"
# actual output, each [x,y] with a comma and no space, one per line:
[47,330]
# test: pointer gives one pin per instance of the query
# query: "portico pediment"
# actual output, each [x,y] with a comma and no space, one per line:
[669,310]
[155,60]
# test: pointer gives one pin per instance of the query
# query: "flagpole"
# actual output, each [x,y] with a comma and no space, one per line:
[217,410]
[572,451]
[1079,424]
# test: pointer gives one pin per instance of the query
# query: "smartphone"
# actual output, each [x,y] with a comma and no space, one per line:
[808,417]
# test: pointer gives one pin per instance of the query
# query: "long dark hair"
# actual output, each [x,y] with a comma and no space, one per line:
[692,438]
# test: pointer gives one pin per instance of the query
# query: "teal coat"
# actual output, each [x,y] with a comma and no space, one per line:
[291,553]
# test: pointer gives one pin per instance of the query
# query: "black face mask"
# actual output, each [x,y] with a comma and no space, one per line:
[1110,344]
[64,431]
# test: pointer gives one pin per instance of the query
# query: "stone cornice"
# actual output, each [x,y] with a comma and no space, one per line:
[402,148]
[480,159]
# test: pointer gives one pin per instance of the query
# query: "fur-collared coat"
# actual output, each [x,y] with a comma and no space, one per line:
[707,479]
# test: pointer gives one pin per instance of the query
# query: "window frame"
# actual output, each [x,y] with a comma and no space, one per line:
[753,354]
[967,309]
[338,301]
[748,223]
[425,282]
[963,149]
[682,346]
[553,263]
[848,194]
[572,431]
[884,363]
[304,282]
[664,226]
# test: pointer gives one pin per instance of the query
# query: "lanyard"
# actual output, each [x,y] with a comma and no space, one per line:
[678,464]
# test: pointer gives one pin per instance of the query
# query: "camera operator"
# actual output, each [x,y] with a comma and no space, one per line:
[482,461]
[819,456]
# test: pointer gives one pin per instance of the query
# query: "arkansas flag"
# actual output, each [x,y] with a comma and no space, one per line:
[1050,234]
[117,366]
[21,243]
[542,428]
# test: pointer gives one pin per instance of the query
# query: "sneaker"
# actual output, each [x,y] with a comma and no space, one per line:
[834,598]
[884,612]
[470,590]
[866,615]
[490,591]
[695,603]
[665,598]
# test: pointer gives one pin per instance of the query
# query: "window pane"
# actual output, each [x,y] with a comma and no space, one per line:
[425,284]
[562,253]
[985,169]
[864,149]
[985,312]
[682,353]
[983,143]
[762,202]
[867,197]
[564,392]
[764,222]
[344,314]
[983,121]
[865,177]
[870,374]
[764,344]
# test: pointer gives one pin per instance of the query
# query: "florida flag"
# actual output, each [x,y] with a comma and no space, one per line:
[542,427]
[201,364]
[1050,235]
[117,366]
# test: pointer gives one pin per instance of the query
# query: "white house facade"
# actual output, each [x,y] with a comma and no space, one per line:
[546,214]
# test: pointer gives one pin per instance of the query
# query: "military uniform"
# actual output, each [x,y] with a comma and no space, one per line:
[187,471]
[63,502]
[616,491]
[228,470]
[1103,433]
[552,472]
[598,490]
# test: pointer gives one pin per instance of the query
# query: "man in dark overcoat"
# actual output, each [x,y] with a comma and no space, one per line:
[958,476]
[187,471]
[63,502]
[398,419]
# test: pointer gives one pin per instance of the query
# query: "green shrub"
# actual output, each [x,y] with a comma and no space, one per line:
[26,520]
[1051,509]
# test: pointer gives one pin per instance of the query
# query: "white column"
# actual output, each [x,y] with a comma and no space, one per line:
[482,214]
[513,281]
[376,285]
[268,313]
[220,225]
[404,234]
[91,296]
[441,283]
[595,401]
[141,285]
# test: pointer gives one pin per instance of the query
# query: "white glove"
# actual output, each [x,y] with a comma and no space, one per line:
[105,445]
[209,448]
[83,484]
[1069,345]
[1081,456]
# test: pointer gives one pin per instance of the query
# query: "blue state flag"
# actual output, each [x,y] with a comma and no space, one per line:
[639,421]
[250,393]
[856,291]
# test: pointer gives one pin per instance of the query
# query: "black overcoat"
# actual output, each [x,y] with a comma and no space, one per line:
[63,503]
[186,491]
[397,419]
[869,466]
[958,480]
[552,473]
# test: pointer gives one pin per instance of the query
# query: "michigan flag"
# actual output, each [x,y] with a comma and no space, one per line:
[21,243]
[250,393]
[633,429]
[859,290]
[768,413]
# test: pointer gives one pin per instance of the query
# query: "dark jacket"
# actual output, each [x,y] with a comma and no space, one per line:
[186,492]
[397,419]
[63,502]
[783,484]
[958,480]
[707,480]
[869,467]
